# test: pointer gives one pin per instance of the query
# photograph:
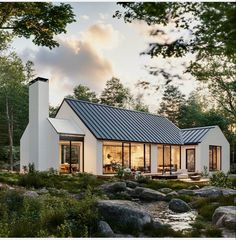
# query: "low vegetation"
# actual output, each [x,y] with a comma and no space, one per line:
[67,206]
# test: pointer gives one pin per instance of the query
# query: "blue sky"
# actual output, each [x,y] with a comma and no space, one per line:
[95,48]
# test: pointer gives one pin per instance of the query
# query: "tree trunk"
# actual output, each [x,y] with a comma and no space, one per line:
[10,134]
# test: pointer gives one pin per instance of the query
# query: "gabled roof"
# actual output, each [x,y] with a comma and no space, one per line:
[65,126]
[112,123]
[195,135]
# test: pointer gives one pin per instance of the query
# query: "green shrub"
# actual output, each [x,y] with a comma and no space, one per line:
[220,179]
[213,231]
[233,168]
[162,231]
[32,179]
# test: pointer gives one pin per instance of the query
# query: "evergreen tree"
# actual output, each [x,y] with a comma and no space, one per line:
[171,101]
[115,94]
[84,93]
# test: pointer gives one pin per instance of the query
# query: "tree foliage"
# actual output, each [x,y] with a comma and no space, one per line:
[115,94]
[171,101]
[211,27]
[84,93]
[13,102]
[39,20]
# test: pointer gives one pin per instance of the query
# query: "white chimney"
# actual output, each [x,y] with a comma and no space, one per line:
[38,114]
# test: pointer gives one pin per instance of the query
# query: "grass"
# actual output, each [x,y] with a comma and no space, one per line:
[173,184]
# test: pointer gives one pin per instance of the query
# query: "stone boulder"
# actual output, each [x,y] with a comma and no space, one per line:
[209,192]
[165,190]
[42,191]
[105,229]
[139,190]
[171,195]
[31,194]
[152,195]
[186,192]
[228,192]
[225,217]
[113,187]
[131,184]
[178,205]
[120,213]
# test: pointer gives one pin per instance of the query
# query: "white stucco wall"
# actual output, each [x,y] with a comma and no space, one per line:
[92,148]
[215,137]
[24,149]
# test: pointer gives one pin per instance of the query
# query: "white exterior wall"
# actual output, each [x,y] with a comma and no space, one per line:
[215,137]
[92,148]
[24,149]
[39,143]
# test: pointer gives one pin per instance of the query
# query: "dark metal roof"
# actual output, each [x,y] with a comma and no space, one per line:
[112,123]
[195,135]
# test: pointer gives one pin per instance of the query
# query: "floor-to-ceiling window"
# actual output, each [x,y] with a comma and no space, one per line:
[136,156]
[70,156]
[190,159]
[214,158]
[168,158]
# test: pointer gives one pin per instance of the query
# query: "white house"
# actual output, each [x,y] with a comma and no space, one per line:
[91,137]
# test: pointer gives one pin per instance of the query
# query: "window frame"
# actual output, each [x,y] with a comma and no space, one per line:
[212,147]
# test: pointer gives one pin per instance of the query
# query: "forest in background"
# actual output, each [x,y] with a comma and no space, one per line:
[212,41]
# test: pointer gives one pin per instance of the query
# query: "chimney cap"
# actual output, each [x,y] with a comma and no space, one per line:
[38,79]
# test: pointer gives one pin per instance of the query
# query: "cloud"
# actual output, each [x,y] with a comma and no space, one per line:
[77,61]
[84,17]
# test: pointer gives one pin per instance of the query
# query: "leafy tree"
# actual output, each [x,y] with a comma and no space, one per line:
[13,102]
[84,93]
[115,94]
[211,26]
[53,111]
[138,104]
[171,101]
[39,20]
[219,76]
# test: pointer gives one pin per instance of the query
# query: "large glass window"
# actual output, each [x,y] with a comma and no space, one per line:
[70,155]
[135,156]
[112,155]
[168,158]
[175,158]
[214,158]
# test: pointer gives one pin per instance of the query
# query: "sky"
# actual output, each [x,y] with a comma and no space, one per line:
[96,48]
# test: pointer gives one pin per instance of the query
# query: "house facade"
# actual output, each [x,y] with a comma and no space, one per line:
[94,138]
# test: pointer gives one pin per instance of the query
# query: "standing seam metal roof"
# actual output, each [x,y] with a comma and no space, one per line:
[195,135]
[112,123]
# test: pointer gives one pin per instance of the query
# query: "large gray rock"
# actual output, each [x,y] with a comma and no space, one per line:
[228,192]
[120,213]
[113,187]
[43,191]
[31,194]
[152,195]
[171,195]
[105,229]
[225,217]
[209,192]
[178,205]
[139,190]
[131,184]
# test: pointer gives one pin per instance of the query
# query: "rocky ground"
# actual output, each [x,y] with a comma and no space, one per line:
[128,208]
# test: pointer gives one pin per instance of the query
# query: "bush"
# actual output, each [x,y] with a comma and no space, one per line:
[47,216]
[220,179]
[233,168]
[32,179]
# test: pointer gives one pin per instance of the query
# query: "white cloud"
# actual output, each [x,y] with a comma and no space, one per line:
[77,61]
[85,17]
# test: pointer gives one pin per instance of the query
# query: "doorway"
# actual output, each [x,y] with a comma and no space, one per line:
[190,159]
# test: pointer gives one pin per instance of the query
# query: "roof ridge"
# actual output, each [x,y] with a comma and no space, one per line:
[120,108]
[212,126]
